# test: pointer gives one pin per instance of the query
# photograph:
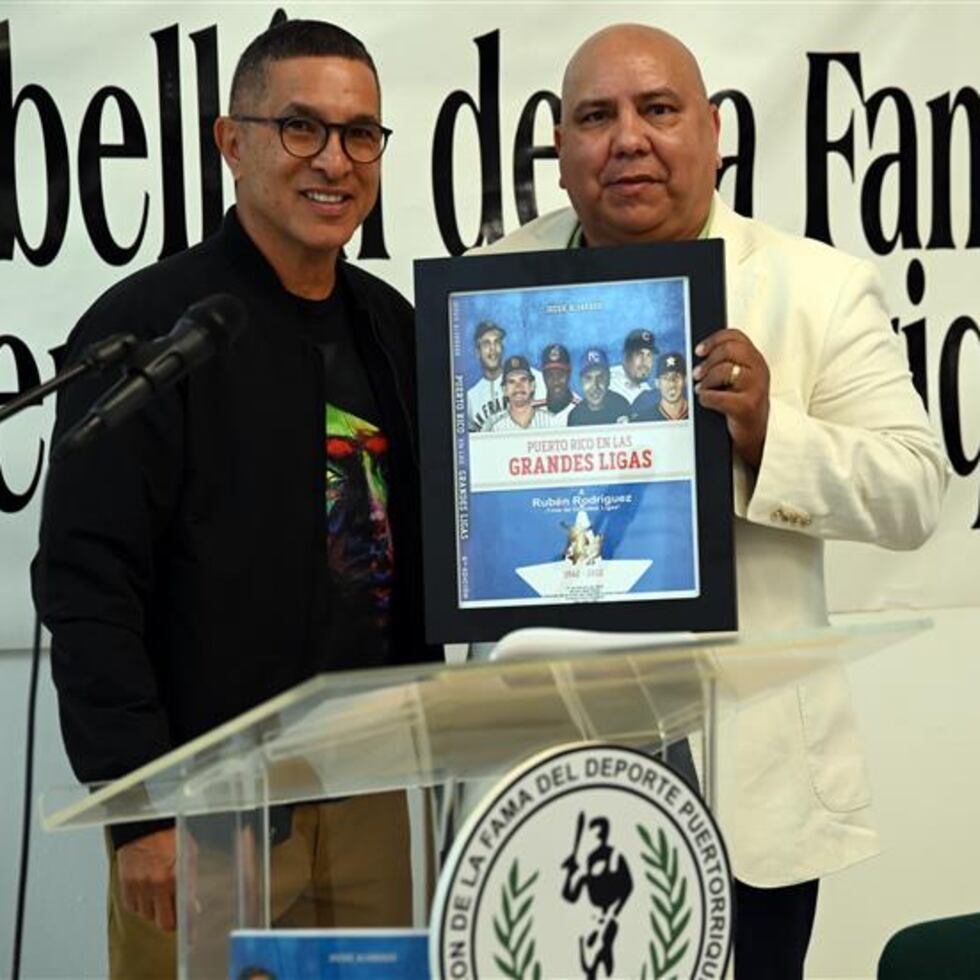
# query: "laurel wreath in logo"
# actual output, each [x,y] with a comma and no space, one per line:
[514,926]
[670,913]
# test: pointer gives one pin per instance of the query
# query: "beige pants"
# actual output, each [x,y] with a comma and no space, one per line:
[345,864]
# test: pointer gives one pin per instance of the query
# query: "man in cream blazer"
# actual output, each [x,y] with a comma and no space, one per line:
[830,441]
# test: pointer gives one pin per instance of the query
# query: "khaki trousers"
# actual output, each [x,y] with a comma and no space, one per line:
[346,864]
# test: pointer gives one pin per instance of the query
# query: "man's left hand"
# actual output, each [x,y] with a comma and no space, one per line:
[733,379]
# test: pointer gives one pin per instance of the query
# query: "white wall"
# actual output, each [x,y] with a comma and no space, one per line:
[917,704]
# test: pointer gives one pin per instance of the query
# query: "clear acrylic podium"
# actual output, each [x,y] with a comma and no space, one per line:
[437,726]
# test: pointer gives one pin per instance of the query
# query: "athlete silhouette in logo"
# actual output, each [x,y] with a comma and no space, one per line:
[608,883]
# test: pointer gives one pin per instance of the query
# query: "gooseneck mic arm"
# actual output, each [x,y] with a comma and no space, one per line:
[96,357]
[206,328]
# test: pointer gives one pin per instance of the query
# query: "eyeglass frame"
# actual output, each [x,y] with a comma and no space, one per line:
[342,129]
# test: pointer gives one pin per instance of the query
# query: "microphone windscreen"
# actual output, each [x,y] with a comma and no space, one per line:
[222,314]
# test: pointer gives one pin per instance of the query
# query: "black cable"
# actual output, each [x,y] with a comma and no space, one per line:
[25,839]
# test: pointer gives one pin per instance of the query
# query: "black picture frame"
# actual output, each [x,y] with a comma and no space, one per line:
[452,296]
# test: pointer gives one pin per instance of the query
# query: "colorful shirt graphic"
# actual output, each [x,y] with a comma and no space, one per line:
[359,545]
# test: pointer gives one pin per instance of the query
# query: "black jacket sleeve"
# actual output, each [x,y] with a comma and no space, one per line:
[105,515]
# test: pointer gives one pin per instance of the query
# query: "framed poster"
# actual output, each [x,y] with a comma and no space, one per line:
[570,477]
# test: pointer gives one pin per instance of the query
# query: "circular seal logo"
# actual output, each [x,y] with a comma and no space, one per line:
[588,861]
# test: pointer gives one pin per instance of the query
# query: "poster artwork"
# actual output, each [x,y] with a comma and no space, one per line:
[574,446]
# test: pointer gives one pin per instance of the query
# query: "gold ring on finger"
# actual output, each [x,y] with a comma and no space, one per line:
[733,376]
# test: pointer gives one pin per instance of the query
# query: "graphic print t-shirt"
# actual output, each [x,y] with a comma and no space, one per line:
[360,556]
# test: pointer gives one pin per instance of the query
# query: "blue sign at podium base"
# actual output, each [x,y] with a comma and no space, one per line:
[330,954]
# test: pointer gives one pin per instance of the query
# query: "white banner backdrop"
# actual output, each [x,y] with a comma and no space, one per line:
[858,122]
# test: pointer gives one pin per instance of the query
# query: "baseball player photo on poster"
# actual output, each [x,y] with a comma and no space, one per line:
[572,479]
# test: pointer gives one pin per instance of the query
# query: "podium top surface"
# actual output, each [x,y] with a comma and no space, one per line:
[363,731]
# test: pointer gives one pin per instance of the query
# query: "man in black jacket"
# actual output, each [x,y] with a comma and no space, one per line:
[255,525]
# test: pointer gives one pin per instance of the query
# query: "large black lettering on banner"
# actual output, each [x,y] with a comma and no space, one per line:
[949,398]
[820,146]
[55,164]
[92,152]
[487,116]
[742,161]
[526,153]
[27,377]
[885,182]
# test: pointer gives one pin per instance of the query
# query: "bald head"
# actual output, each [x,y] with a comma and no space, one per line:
[612,41]
[638,139]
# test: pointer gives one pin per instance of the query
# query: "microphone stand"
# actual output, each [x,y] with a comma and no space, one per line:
[201,331]
[120,347]
[97,357]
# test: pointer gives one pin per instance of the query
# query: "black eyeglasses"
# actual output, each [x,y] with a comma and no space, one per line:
[305,137]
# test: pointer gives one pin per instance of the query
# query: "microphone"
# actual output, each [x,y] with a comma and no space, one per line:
[108,353]
[207,327]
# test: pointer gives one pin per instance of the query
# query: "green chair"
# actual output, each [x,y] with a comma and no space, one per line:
[945,949]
